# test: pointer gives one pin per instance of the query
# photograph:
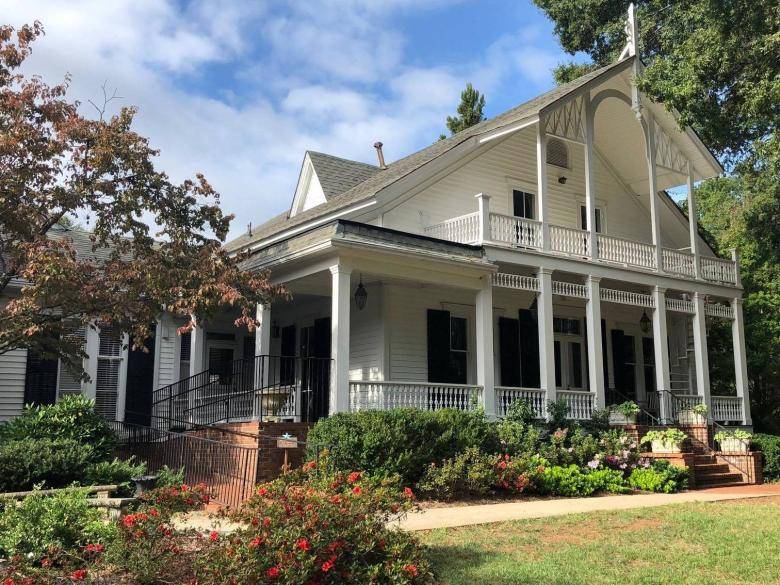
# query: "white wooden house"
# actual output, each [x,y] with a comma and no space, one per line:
[536,255]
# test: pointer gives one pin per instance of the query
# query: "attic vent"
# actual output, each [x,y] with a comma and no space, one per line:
[557,153]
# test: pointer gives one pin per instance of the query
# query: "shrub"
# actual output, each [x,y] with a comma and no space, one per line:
[558,414]
[521,411]
[572,481]
[309,526]
[116,472]
[660,476]
[51,525]
[669,437]
[627,409]
[471,473]
[53,463]
[72,418]
[770,446]
[400,442]
[519,438]
[167,477]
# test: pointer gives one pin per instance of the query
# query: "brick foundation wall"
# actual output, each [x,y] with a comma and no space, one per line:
[270,457]
[750,465]
[678,459]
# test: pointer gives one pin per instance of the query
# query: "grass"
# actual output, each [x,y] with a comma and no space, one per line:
[729,542]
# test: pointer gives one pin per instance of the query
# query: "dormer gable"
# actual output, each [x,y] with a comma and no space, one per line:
[308,192]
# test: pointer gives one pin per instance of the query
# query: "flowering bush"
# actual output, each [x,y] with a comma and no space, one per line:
[659,476]
[178,498]
[310,526]
[471,473]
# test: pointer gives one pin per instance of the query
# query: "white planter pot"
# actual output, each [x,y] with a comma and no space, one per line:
[688,417]
[663,447]
[734,446]
[618,418]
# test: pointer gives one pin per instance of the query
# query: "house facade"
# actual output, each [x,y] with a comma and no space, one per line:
[535,256]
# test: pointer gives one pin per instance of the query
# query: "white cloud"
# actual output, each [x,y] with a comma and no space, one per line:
[330,75]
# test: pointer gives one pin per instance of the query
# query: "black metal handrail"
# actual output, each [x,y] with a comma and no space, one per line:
[260,388]
[645,417]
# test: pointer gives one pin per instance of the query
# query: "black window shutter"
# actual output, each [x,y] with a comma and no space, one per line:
[529,349]
[438,345]
[604,352]
[509,351]
[619,359]
[40,381]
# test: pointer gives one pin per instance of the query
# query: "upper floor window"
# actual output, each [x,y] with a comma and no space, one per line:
[557,153]
[584,218]
[522,204]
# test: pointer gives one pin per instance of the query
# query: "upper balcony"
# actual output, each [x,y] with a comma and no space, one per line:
[486,227]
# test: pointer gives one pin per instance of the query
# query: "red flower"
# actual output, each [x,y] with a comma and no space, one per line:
[255,542]
[327,566]
[94,548]
[354,476]
[79,574]
[262,491]
[154,512]
[129,521]
[409,493]
[356,489]
[303,544]
[266,522]
[46,562]
[411,569]
[185,487]
[8,581]
[273,572]
[214,536]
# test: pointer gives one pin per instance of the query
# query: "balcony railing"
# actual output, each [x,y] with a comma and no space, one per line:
[519,232]
[535,397]
[385,395]
[580,403]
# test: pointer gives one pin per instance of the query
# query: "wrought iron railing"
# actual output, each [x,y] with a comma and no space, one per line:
[260,388]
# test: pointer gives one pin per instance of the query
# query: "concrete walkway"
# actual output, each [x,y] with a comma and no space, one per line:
[453,516]
[465,515]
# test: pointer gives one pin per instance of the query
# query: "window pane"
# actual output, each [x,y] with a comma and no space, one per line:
[598,220]
[557,348]
[529,205]
[458,334]
[583,217]
[576,364]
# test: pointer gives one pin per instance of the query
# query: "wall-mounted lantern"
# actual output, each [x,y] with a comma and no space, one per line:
[361,295]
[644,322]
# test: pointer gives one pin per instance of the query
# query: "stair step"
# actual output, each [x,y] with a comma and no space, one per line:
[719,478]
[703,469]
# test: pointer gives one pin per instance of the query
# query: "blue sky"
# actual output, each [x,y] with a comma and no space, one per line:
[239,90]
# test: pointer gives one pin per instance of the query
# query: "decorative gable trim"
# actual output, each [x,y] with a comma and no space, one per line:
[308,192]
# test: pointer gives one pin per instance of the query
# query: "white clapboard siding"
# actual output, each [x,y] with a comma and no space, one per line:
[168,353]
[12,369]
[366,338]
[513,163]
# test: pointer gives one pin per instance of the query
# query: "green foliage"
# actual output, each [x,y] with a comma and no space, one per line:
[558,414]
[566,72]
[738,434]
[700,409]
[27,462]
[521,411]
[72,418]
[41,525]
[470,110]
[627,409]
[770,447]
[669,437]
[471,473]
[660,476]
[571,481]
[116,472]
[400,442]
[167,477]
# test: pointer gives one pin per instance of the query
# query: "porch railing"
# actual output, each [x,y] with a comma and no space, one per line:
[580,403]
[535,397]
[677,262]
[569,240]
[624,251]
[518,231]
[383,395]
[463,229]
[718,270]
[727,409]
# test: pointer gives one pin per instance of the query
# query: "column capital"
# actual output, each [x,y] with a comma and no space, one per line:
[481,196]
[340,269]
[545,271]
[737,301]
[594,279]
[659,290]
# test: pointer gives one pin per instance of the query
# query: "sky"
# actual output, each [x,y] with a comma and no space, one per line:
[239,90]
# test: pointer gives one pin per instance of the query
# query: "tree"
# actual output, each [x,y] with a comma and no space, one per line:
[55,164]
[470,109]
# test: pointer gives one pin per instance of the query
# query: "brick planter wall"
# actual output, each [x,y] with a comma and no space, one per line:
[749,465]
[678,459]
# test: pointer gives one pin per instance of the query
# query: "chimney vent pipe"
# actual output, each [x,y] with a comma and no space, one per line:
[379,155]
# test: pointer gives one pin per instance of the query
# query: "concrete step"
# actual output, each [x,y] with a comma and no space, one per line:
[719,479]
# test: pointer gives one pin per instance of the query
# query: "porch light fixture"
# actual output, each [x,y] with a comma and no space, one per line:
[644,322]
[361,295]
[275,330]
[562,180]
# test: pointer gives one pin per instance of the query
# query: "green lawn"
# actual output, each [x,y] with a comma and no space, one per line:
[730,542]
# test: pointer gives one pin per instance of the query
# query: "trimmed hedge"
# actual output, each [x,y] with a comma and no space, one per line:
[402,442]
[26,462]
[770,446]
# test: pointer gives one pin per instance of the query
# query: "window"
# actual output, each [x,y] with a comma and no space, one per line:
[523,204]
[584,218]
[70,382]
[184,355]
[557,153]
[566,326]
[108,366]
[447,348]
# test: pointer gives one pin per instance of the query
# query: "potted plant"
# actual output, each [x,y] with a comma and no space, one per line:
[693,416]
[624,414]
[737,441]
[666,441]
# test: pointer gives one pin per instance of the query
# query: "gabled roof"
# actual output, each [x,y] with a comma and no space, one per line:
[381,179]
[337,174]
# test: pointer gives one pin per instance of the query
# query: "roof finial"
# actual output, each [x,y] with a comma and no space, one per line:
[632,37]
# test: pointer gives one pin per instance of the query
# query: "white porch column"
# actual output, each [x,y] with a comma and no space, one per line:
[595,350]
[740,359]
[339,348]
[546,336]
[693,223]
[483,201]
[197,349]
[735,256]
[590,189]
[700,352]
[262,348]
[541,181]
[484,326]
[655,201]
[661,347]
